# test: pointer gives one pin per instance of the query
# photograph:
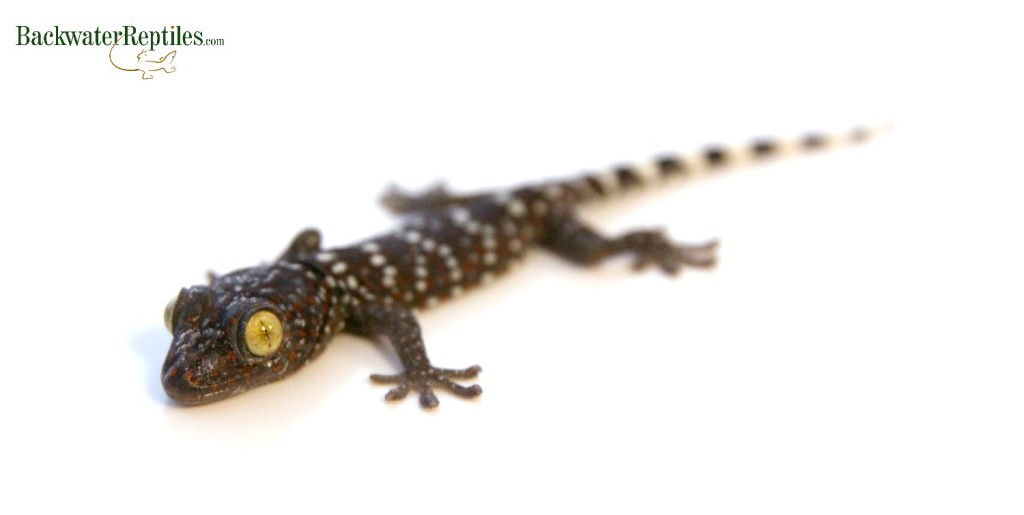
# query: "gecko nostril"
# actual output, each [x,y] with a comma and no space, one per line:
[171,373]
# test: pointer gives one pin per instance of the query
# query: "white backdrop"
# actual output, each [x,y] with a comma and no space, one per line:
[857,350]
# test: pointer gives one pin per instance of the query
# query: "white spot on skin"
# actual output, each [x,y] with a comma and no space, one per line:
[428,245]
[451,262]
[421,286]
[487,277]
[460,215]
[472,227]
[431,301]
[366,293]
[339,267]
[408,296]
[412,236]
[516,208]
[456,275]
[378,260]
[515,245]
[352,283]
[326,257]
[489,243]
[370,247]
[490,258]
[553,192]
[444,250]
[390,271]
[421,271]
[457,291]
[388,281]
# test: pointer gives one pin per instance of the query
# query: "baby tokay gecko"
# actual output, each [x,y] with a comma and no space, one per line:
[260,324]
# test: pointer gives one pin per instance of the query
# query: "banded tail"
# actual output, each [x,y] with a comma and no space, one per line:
[595,185]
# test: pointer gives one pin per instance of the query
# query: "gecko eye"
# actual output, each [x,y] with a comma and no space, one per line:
[169,314]
[263,333]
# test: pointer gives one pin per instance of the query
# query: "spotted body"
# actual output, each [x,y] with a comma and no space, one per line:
[260,324]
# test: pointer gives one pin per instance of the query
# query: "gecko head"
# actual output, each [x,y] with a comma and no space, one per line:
[244,330]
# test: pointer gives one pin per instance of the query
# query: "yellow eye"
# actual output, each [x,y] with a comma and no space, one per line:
[169,313]
[263,333]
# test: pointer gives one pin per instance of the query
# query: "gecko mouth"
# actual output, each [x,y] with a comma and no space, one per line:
[183,387]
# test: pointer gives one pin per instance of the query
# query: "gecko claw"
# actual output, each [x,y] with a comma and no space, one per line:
[653,248]
[424,382]
[428,400]
[466,373]
[466,392]
[397,393]
[386,378]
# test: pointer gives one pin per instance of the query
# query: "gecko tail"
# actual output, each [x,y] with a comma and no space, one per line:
[706,161]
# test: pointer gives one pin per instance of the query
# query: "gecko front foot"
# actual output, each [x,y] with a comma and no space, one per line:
[653,248]
[425,380]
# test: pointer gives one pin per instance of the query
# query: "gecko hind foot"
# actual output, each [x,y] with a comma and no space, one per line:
[653,248]
[397,200]
[424,382]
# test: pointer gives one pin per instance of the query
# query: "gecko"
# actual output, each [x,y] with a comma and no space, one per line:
[261,324]
[146,62]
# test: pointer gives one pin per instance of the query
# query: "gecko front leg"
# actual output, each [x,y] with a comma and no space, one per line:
[399,327]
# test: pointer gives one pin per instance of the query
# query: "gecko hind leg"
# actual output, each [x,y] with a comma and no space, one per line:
[571,239]
[399,201]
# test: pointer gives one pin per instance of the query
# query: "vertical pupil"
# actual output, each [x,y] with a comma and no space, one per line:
[262,334]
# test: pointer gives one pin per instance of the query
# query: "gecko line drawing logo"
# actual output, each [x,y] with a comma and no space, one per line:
[130,49]
[145,61]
